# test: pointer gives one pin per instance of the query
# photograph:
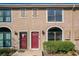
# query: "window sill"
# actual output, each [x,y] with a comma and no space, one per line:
[55,22]
[5,22]
[24,17]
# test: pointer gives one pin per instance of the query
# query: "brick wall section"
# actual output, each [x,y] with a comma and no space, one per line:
[39,23]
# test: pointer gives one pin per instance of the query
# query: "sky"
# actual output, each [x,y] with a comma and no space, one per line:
[39,1]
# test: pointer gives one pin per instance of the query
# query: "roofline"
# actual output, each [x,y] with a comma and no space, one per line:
[39,4]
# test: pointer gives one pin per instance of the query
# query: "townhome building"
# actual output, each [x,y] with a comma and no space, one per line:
[25,26]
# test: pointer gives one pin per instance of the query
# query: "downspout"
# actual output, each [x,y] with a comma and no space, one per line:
[72,24]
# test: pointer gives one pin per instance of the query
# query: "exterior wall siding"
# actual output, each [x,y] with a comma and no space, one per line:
[29,23]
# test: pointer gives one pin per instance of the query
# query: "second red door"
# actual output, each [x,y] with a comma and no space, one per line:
[35,40]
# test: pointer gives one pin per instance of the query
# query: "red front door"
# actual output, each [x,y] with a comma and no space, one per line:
[23,40]
[35,40]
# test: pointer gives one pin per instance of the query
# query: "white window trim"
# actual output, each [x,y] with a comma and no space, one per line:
[39,40]
[25,12]
[58,27]
[11,36]
[55,21]
[33,13]
[11,20]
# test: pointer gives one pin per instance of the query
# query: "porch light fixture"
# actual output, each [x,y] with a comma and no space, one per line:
[43,32]
[16,33]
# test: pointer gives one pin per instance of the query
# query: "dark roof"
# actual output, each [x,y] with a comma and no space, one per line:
[39,4]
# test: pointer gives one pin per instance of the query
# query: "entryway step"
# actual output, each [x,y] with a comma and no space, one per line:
[28,53]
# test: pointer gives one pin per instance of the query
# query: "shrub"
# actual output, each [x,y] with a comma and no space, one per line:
[7,51]
[58,46]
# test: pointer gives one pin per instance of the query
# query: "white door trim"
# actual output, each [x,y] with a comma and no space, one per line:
[19,38]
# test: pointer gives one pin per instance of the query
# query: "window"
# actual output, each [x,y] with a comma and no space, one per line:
[34,12]
[1,39]
[54,15]
[1,15]
[23,12]
[54,34]
[5,37]
[5,15]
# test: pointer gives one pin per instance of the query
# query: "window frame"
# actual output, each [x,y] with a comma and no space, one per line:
[9,40]
[34,12]
[55,35]
[1,40]
[4,40]
[23,11]
[4,16]
[54,17]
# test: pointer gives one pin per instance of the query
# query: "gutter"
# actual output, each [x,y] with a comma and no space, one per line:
[63,5]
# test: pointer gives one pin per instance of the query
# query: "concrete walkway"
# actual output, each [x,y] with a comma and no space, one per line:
[28,53]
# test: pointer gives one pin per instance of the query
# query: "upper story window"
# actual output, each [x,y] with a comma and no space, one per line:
[54,15]
[34,12]
[5,15]
[23,12]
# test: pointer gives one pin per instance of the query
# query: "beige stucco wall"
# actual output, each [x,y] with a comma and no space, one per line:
[29,23]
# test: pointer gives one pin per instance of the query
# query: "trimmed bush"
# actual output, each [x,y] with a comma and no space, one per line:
[6,51]
[58,46]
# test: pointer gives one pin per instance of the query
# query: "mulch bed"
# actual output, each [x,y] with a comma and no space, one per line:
[71,53]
